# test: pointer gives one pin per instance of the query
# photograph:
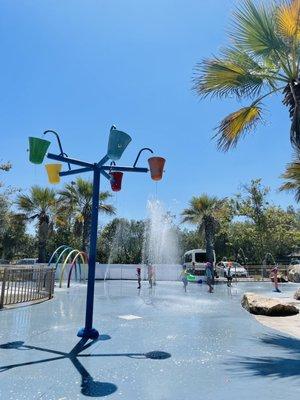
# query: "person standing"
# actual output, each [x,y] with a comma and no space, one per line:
[183,275]
[139,277]
[209,272]
[193,267]
[229,274]
[274,275]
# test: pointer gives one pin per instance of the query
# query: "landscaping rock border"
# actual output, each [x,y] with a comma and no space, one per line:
[271,307]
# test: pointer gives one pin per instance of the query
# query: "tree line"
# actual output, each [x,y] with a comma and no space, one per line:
[245,221]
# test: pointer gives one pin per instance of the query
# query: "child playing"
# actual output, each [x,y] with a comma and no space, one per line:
[183,275]
[209,272]
[139,278]
[273,275]
[229,274]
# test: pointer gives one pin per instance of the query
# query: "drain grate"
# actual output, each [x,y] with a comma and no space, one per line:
[158,355]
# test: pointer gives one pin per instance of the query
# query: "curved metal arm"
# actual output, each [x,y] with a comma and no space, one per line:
[66,155]
[138,156]
[58,139]
[59,144]
[111,164]
[241,253]
[266,258]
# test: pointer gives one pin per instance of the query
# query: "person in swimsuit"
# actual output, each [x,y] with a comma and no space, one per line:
[183,275]
[139,277]
[229,274]
[209,272]
[274,275]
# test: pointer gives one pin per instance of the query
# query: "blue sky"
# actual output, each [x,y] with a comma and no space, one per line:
[80,66]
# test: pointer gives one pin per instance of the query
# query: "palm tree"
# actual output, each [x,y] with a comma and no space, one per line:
[292,177]
[203,211]
[40,205]
[76,199]
[263,59]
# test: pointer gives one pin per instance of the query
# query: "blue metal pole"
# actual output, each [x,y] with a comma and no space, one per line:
[88,331]
[69,160]
[76,171]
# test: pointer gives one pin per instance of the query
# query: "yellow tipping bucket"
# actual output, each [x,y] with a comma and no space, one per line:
[53,171]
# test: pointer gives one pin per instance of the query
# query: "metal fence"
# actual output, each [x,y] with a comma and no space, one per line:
[259,273]
[263,272]
[24,284]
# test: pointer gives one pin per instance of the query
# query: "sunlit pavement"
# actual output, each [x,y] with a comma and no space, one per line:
[159,344]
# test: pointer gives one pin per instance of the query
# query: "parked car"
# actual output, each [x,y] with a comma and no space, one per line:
[295,262]
[237,270]
[26,261]
[4,262]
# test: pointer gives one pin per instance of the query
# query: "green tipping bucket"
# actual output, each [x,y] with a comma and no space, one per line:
[37,149]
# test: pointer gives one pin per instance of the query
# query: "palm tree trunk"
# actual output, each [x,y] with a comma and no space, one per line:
[43,230]
[209,239]
[86,232]
[292,101]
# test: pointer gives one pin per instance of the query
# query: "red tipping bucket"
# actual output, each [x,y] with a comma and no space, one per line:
[156,165]
[116,183]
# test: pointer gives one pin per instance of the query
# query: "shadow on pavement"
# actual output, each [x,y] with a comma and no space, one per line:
[277,367]
[89,387]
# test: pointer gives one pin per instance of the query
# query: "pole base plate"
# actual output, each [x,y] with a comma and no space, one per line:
[86,333]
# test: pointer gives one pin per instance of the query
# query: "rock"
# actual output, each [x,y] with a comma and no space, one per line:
[294,273]
[297,295]
[259,305]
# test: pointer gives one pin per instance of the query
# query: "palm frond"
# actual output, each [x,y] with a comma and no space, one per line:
[188,215]
[236,124]
[103,196]
[200,207]
[236,73]
[24,203]
[292,178]
[77,199]
[223,77]
[255,30]
[288,19]
[39,199]
[107,209]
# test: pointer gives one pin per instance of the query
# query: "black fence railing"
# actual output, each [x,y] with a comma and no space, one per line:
[25,284]
[257,272]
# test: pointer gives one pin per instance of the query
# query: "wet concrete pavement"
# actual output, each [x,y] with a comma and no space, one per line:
[159,344]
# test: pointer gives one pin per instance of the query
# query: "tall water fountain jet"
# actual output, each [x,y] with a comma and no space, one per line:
[161,245]
[117,245]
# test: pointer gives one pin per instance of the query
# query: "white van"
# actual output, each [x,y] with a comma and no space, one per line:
[196,260]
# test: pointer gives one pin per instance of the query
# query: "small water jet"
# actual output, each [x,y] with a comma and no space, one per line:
[268,257]
[116,246]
